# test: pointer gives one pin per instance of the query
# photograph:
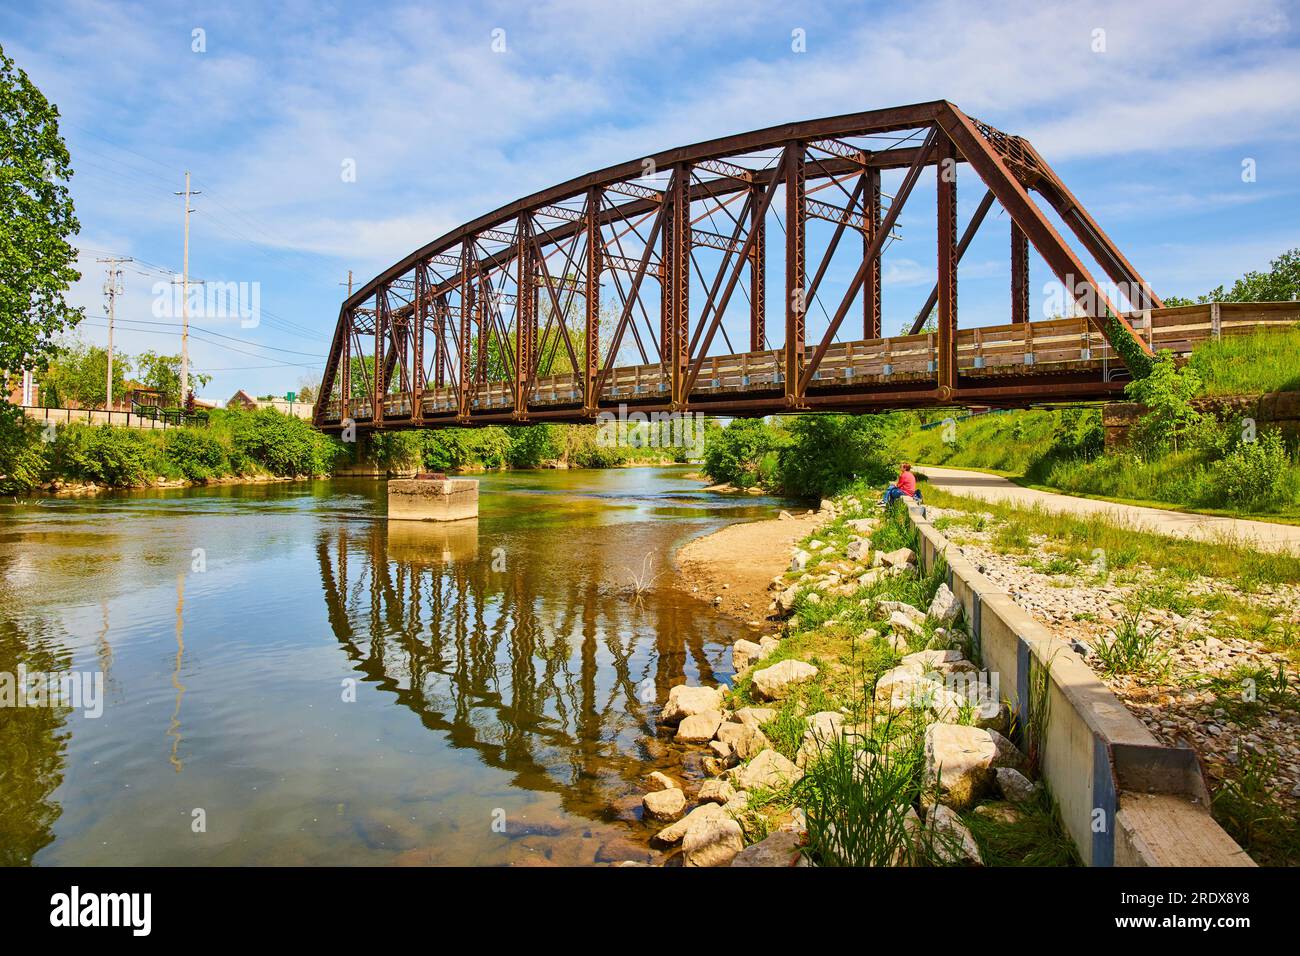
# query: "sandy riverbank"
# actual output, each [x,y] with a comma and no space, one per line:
[738,562]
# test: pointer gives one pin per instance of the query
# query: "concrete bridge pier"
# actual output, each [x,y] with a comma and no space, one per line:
[432,499]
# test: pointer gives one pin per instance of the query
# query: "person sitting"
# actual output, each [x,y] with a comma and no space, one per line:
[905,485]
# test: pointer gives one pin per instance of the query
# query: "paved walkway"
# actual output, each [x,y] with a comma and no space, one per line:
[1264,535]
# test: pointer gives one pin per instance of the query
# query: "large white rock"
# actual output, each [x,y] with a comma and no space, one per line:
[906,854]
[901,623]
[754,717]
[799,559]
[945,607]
[950,839]
[931,660]
[744,653]
[785,600]
[713,842]
[769,769]
[899,558]
[699,728]
[906,683]
[683,701]
[675,831]
[781,848]
[858,550]
[961,760]
[716,791]
[772,683]
[889,607]
[656,780]
[745,741]
[1015,786]
[665,805]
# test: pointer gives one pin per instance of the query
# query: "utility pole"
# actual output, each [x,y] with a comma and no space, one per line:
[112,289]
[349,283]
[185,295]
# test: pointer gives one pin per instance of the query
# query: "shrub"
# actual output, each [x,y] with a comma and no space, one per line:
[22,456]
[195,453]
[531,446]
[104,455]
[826,453]
[1255,474]
[736,453]
[397,451]
[281,445]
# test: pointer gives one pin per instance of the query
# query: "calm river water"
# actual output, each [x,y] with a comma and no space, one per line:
[288,679]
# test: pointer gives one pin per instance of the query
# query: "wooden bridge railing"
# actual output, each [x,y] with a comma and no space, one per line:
[1047,347]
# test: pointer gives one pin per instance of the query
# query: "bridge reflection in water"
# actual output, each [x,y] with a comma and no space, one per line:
[539,661]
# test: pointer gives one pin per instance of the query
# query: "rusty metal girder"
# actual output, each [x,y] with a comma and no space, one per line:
[433,320]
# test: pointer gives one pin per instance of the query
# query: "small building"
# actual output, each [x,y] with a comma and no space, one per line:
[242,400]
[21,388]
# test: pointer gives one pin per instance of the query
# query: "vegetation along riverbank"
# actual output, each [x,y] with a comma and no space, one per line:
[836,743]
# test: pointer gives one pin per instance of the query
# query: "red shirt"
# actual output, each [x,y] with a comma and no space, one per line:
[907,483]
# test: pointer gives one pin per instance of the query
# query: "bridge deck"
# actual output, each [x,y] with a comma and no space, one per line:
[1005,365]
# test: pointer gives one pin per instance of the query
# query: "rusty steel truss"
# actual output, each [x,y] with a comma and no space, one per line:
[524,314]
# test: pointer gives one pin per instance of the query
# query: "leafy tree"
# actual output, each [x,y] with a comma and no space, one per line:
[79,375]
[307,388]
[163,372]
[1167,392]
[737,453]
[828,452]
[36,259]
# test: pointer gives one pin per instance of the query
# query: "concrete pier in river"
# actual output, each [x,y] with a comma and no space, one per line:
[432,499]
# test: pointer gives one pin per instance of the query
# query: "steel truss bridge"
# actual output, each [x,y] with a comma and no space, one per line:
[523,314]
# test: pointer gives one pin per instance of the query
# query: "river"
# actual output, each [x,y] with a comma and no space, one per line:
[289,679]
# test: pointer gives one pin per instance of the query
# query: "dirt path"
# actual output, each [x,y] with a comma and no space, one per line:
[1263,535]
[738,562]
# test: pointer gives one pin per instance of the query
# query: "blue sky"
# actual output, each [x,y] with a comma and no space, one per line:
[1150,133]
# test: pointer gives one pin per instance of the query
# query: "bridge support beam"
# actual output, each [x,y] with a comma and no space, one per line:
[757,272]
[591,333]
[525,320]
[947,222]
[871,305]
[677,281]
[463,373]
[795,307]
[1019,275]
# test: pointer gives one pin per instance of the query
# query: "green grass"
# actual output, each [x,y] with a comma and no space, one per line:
[1265,361]
[1005,444]
[1060,450]
[1245,806]
[855,805]
[1132,650]
[1084,537]
[1036,838]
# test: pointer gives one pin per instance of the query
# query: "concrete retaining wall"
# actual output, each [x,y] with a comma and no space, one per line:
[1125,799]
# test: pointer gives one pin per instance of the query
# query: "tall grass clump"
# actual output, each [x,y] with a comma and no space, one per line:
[856,802]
